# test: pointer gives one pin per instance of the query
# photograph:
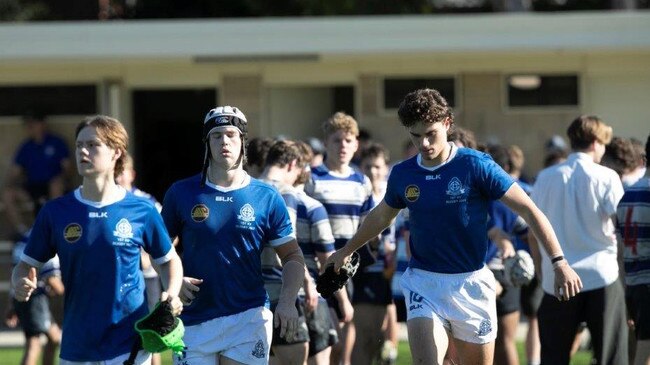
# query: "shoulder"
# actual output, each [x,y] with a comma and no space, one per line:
[263,187]
[187,183]
[139,200]
[319,171]
[309,202]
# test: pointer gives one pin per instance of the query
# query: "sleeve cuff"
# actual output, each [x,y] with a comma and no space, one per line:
[281,241]
[168,257]
[37,264]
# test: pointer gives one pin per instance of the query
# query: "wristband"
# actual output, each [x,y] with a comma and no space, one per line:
[556,261]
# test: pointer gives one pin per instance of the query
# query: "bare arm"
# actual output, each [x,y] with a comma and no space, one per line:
[376,221]
[171,276]
[293,275]
[567,282]
[23,280]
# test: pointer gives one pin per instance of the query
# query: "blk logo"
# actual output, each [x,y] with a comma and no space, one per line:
[98,215]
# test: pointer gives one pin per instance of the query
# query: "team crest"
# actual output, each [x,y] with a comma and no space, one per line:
[200,212]
[72,232]
[259,351]
[246,213]
[455,187]
[123,229]
[484,328]
[412,193]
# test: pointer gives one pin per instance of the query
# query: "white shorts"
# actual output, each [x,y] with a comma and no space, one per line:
[143,358]
[465,303]
[244,337]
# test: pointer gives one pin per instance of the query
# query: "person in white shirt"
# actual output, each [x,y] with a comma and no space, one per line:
[579,197]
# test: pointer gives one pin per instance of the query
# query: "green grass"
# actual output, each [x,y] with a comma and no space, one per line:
[13,356]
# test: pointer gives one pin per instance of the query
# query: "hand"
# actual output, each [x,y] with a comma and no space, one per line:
[338,258]
[507,249]
[11,319]
[189,289]
[177,304]
[286,317]
[25,286]
[311,296]
[567,282]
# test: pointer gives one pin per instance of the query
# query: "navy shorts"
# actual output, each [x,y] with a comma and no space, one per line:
[508,301]
[34,315]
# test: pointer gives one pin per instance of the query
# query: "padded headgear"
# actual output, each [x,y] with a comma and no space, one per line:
[223,116]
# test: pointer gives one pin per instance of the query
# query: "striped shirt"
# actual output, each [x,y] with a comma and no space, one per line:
[633,224]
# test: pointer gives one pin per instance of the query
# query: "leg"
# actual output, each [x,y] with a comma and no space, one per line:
[369,337]
[505,346]
[32,350]
[391,333]
[295,354]
[53,341]
[607,323]
[558,322]
[533,347]
[321,358]
[427,339]
[474,353]
[642,352]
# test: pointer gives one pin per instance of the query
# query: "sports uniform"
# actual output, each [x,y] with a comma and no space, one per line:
[223,232]
[41,162]
[448,209]
[99,250]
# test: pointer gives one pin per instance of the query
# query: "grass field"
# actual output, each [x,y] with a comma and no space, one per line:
[12,356]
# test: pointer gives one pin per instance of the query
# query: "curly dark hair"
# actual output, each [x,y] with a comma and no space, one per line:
[426,106]
[619,156]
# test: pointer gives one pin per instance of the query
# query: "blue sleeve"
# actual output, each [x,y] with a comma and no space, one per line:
[279,223]
[40,246]
[21,156]
[169,213]
[393,197]
[494,181]
[156,238]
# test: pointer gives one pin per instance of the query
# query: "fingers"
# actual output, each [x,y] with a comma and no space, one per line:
[189,289]
[164,296]
[192,283]
[32,275]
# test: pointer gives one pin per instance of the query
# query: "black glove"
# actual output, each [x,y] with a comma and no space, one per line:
[330,282]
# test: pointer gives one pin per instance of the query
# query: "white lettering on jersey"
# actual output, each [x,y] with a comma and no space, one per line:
[98,215]
[226,199]
[433,177]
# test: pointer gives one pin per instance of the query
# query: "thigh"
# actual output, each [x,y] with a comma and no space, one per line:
[428,340]
[474,353]
[322,333]
[607,323]
[558,323]
[253,343]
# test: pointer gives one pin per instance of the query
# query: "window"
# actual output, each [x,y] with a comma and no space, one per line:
[49,100]
[396,89]
[538,90]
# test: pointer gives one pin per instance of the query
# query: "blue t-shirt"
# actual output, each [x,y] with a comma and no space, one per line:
[223,232]
[99,253]
[41,162]
[448,208]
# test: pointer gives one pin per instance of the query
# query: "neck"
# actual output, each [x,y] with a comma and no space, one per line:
[277,173]
[337,167]
[226,178]
[440,159]
[591,153]
[98,189]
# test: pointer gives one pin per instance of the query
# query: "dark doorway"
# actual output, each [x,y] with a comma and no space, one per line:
[167,128]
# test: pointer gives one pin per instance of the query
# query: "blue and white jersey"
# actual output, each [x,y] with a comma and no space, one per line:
[99,251]
[271,263]
[633,224]
[313,231]
[448,208]
[509,222]
[402,233]
[346,199]
[223,232]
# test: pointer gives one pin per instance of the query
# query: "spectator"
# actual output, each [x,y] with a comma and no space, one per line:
[639,170]
[620,156]
[318,150]
[257,149]
[579,197]
[38,172]
[463,137]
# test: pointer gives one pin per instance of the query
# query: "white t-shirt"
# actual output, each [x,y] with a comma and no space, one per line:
[579,197]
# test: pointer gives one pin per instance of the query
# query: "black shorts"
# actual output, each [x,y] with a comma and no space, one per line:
[638,302]
[400,307]
[371,288]
[508,301]
[315,327]
[34,315]
[531,297]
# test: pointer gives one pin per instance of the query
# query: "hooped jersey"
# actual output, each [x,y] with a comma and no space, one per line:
[448,208]
[99,253]
[223,232]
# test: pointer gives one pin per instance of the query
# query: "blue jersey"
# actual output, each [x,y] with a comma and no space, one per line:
[223,232]
[99,253]
[509,222]
[448,208]
[41,162]
[633,224]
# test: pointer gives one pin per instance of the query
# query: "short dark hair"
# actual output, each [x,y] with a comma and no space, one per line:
[586,129]
[619,156]
[500,155]
[464,136]
[375,150]
[282,153]
[426,106]
[256,151]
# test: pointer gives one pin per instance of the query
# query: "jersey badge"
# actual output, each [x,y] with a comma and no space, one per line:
[412,193]
[200,213]
[455,187]
[123,229]
[246,213]
[72,232]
